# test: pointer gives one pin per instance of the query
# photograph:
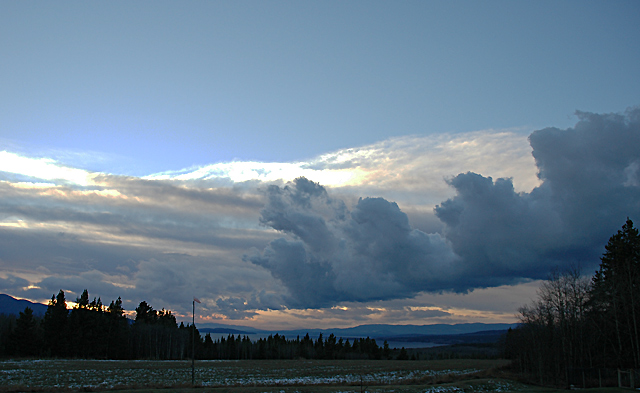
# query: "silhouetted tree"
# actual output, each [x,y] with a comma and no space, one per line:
[156,334]
[145,313]
[330,347]
[319,348]
[616,295]
[552,336]
[117,328]
[56,336]
[88,327]
[403,354]
[386,351]
[577,323]
[25,339]
[7,325]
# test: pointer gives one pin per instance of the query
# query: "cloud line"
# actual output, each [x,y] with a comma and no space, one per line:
[400,220]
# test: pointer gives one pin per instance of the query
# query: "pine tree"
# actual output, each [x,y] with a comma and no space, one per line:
[403,355]
[616,293]
[117,331]
[386,351]
[25,338]
[145,313]
[89,328]
[56,337]
[83,300]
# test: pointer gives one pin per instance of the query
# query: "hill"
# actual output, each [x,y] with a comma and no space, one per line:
[414,333]
[482,337]
[12,306]
[222,330]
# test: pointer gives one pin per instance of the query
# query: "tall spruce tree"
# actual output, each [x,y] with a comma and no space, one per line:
[25,338]
[56,337]
[145,313]
[117,331]
[616,296]
[88,327]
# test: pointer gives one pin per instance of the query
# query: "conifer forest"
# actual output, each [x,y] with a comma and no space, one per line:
[91,330]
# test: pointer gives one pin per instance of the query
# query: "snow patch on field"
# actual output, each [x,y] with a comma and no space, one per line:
[78,374]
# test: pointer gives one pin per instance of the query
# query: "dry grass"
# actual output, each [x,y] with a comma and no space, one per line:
[286,376]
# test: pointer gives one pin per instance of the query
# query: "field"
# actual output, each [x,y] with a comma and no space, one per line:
[285,376]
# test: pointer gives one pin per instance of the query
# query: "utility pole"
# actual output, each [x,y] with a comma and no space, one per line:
[193,343]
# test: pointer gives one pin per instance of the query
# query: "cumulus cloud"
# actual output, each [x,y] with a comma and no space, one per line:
[371,230]
[585,196]
[492,236]
[334,254]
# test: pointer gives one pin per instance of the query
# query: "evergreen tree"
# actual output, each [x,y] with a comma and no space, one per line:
[7,325]
[319,348]
[145,313]
[83,300]
[89,328]
[386,351]
[403,355]
[117,328]
[156,335]
[330,347]
[616,295]
[25,338]
[80,327]
[208,347]
[306,347]
[56,336]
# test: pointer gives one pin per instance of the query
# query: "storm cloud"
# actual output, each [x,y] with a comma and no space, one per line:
[589,187]
[417,222]
[492,235]
[334,254]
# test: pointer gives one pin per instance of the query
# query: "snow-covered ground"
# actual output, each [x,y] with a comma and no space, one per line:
[77,374]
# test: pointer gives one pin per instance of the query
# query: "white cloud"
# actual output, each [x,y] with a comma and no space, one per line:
[265,172]
[413,166]
[43,169]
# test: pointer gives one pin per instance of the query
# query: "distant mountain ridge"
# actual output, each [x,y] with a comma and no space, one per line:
[12,306]
[235,332]
[373,330]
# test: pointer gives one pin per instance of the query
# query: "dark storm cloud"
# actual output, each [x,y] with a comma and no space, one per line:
[333,254]
[492,235]
[589,187]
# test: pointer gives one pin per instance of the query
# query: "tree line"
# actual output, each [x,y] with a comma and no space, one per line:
[91,330]
[580,322]
[278,347]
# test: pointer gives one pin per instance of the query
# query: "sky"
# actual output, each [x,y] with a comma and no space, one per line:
[314,164]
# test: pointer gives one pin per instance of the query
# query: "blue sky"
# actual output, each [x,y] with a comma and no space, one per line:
[153,135]
[167,86]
